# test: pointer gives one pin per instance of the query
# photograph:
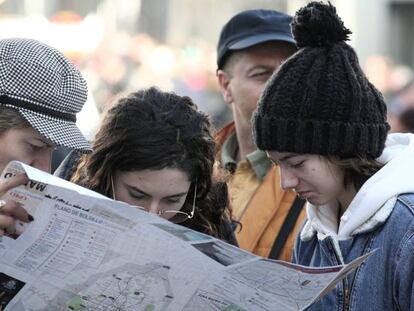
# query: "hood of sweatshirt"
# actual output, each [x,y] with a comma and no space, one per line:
[374,201]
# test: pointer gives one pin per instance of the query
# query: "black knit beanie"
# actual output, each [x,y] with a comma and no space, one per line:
[320,101]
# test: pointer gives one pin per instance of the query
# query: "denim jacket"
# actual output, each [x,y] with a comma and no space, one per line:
[385,280]
[380,217]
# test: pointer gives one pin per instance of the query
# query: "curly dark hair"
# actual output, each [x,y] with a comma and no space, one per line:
[151,129]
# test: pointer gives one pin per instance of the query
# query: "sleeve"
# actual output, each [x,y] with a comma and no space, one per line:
[296,248]
[403,288]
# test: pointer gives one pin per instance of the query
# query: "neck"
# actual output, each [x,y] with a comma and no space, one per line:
[244,140]
[345,199]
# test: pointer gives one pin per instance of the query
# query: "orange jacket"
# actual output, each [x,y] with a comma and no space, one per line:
[265,213]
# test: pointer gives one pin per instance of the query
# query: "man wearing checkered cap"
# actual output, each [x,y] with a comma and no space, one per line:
[40,93]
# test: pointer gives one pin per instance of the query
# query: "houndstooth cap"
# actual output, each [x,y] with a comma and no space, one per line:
[45,87]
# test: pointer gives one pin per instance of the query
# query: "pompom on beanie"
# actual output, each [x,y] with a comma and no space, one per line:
[320,101]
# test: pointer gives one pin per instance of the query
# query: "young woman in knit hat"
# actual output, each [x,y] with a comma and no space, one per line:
[324,124]
[40,93]
[155,150]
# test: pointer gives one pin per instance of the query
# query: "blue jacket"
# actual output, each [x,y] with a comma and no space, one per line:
[380,217]
[385,280]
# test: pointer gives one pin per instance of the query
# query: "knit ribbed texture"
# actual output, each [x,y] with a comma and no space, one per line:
[320,102]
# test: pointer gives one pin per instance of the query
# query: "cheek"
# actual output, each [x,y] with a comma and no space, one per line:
[122,194]
[250,98]
[19,152]
[317,178]
[249,90]
[337,182]
[135,202]
[255,90]
[171,206]
[328,182]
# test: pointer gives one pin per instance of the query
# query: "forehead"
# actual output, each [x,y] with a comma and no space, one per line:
[28,132]
[281,156]
[313,160]
[162,182]
[267,51]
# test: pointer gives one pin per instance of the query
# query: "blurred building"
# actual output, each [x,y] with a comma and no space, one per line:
[380,27]
[123,45]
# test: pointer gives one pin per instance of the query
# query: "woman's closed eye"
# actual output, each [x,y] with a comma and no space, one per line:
[296,164]
[173,200]
[142,196]
[137,195]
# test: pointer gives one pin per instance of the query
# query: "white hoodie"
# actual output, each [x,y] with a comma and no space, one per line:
[374,201]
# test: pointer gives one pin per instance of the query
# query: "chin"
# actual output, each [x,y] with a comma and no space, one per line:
[317,201]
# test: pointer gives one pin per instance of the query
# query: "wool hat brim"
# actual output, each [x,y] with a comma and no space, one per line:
[257,38]
[323,137]
[61,132]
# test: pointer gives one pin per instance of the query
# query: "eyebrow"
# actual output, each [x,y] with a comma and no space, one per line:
[288,156]
[147,194]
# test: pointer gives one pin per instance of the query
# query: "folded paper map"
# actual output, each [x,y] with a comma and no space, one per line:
[84,252]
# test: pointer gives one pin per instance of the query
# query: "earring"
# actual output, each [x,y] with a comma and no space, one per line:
[113,188]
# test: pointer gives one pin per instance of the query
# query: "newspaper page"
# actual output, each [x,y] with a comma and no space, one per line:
[85,252]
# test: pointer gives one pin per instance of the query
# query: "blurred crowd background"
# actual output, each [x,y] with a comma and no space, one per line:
[123,45]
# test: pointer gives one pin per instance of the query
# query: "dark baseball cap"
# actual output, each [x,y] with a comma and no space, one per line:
[252,27]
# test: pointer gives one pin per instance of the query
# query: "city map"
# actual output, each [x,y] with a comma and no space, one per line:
[130,287]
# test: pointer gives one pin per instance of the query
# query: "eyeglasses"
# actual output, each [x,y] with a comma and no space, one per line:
[178,216]
[175,216]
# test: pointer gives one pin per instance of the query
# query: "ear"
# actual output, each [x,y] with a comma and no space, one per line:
[224,83]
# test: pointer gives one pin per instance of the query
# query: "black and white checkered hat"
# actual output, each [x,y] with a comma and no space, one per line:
[45,88]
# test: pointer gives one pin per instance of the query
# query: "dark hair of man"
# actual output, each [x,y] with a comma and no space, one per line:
[11,118]
[151,129]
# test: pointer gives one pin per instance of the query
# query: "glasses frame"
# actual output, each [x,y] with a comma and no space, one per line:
[179,212]
[160,213]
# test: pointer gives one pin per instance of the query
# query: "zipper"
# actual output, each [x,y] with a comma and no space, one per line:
[345,280]
[348,291]
[346,298]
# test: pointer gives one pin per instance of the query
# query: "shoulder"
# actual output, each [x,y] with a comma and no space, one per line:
[401,218]
[407,200]
[402,215]
[401,224]
[222,134]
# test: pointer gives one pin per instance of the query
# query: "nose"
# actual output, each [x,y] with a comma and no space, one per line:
[153,207]
[43,160]
[288,179]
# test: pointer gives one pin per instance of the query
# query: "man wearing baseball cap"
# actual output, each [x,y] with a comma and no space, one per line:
[252,45]
[40,93]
